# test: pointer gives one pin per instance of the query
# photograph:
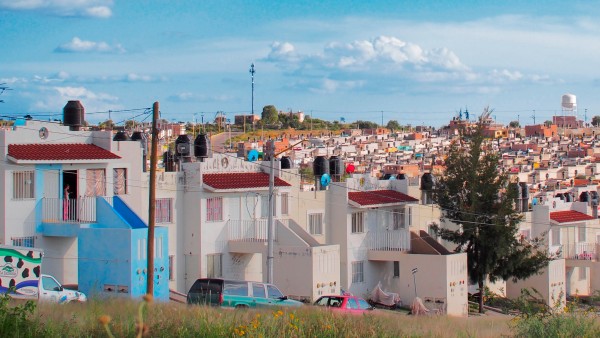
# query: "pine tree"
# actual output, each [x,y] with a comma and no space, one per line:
[474,194]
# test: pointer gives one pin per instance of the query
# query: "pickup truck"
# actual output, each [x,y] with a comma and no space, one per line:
[21,277]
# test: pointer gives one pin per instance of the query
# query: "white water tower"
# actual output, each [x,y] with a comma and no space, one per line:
[569,105]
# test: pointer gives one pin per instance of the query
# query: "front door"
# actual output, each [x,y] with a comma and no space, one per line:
[52,210]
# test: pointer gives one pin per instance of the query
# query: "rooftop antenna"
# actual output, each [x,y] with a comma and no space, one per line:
[533,117]
[252,71]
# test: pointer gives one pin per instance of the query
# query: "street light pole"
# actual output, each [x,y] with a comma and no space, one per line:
[252,71]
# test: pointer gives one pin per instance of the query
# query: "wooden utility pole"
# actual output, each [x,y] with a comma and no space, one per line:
[152,203]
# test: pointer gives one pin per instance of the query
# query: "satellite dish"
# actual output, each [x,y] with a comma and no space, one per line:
[253,155]
[350,168]
[325,180]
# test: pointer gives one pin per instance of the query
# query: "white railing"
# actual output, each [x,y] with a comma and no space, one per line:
[77,210]
[253,230]
[388,240]
[580,250]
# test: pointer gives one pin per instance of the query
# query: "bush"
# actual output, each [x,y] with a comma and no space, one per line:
[15,319]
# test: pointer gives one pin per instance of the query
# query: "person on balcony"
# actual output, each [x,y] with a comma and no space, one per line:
[66,194]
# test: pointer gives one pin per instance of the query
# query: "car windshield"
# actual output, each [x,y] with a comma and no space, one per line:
[274,292]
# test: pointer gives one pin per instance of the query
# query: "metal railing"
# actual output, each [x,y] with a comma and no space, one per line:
[76,210]
[253,230]
[388,240]
[581,250]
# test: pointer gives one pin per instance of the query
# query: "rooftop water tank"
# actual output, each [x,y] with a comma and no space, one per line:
[183,146]
[584,197]
[320,166]
[336,168]
[427,181]
[286,162]
[121,136]
[73,114]
[401,176]
[201,145]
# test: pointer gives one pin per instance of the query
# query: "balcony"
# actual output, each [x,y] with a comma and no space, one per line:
[253,230]
[583,251]
[387,244]
[70,211]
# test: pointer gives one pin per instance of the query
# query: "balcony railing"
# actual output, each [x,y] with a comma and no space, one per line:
[77,210]
[253,230]
[581,250]
[388,240]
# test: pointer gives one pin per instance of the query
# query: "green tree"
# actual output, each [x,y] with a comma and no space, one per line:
[473,194]
[269,115]
[393,125]
[366,124]
[514,124]
[108,124]
[548,123]
[596,121]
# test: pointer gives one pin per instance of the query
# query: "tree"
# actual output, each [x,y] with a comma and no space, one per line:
[393,125]
[108,124]
[514,124]
[366,124]
[548,123]
[269,115]
[473,194]
[596,121]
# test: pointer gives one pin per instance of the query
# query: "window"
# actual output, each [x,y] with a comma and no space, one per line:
[398,219]
[50,284]
[284,203]
[582,234]
[23,184]
[315,224]
[119,181]
[95,182]
[163,212]
[158,247]
[258,290]
[358,272]
[236,289]
[273,291]
[351,304]
[23,241]
[171,267]
[396,269]
[409,221]
[358,222]
[214,265]
[142,248]
[214,209]
[556,236]
[264,210]
[362,304]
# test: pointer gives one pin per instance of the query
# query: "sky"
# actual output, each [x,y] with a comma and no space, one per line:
[417,62]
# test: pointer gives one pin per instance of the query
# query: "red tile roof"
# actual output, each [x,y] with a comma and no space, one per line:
[569,216]
[376,197]
[59,152]
[228,181]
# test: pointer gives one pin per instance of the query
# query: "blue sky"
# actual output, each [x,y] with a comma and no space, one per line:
[418,62]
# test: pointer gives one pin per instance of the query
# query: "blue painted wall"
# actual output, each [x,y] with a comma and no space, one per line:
[127,214]
[140,263]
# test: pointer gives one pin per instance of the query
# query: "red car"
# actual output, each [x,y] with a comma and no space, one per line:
[345,303]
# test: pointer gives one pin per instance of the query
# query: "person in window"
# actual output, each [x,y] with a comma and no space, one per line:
[66,196]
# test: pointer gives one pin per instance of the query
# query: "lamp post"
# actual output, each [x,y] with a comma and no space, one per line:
[252,71]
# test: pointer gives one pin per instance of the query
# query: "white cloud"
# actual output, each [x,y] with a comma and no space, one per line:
[191,97]
[54,99]
[132,77]
[70,8]
[282,52]
[77,45]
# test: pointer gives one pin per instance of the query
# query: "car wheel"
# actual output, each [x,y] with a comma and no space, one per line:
[241,306]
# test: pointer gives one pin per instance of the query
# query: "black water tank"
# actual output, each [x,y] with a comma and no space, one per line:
[320,166]
[524,190]
[121,136]
[594,195]
[336,167]
[584,197]
[386,176]
[286,162]
[561,196]
[568,197]
[201,145]
[183,146]
[401,176]
[427,181]
[138,136]
[168,161]
[73,114]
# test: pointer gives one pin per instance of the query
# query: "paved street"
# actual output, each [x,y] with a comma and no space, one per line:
[218,141]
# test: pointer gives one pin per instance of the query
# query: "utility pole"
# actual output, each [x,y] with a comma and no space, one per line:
[252,71]
[152,202]
[270,227]
[533,116]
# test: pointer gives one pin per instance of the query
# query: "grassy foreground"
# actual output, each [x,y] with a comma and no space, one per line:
[127,318]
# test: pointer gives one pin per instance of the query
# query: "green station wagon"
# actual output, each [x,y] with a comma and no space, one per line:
[237,294]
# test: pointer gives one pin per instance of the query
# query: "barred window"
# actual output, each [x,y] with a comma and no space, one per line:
[396,269]
[315,224]
[264,210]
[23,241]
[163,212]
[214,265]
[23,184]
[358,222]
[214,209]
[398,219]
[120,181]
[284,203]
[358,275]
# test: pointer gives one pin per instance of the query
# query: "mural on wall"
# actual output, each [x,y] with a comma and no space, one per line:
[20,269]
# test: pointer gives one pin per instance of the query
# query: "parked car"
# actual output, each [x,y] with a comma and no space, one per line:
[237,294]
[344,303]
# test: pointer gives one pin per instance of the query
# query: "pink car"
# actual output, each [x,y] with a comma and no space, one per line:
[350,304]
